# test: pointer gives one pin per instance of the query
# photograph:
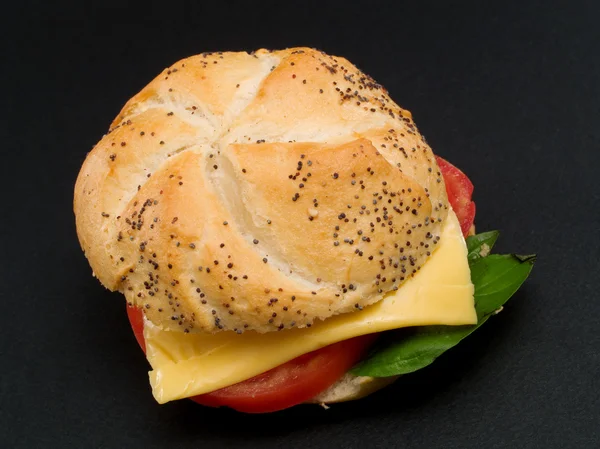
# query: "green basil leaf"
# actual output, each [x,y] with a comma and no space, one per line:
[480,245]
[496,278]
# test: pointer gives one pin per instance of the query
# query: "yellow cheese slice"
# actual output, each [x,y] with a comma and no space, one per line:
[185,365]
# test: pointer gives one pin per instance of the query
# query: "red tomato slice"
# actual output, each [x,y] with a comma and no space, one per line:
[136,319]
[292,383]
[459,189]
[289,384]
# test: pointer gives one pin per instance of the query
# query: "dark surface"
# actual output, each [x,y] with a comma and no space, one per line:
[510,93]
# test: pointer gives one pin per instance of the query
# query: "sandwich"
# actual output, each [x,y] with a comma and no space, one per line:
[282,233]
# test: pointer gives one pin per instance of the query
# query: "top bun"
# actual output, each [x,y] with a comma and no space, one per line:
[258,192]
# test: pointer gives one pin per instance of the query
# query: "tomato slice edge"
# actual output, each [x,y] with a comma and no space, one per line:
[459,189]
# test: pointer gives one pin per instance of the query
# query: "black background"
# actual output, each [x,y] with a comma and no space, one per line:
[509,92]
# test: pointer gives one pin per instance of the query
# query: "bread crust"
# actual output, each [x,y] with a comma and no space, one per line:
[350,387]
[258,192]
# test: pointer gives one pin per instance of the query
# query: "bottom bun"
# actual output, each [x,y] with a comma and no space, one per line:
[351,387]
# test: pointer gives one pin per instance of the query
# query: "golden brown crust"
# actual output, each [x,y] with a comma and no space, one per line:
[258,192]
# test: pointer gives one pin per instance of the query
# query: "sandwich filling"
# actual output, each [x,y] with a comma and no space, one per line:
[186,365]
